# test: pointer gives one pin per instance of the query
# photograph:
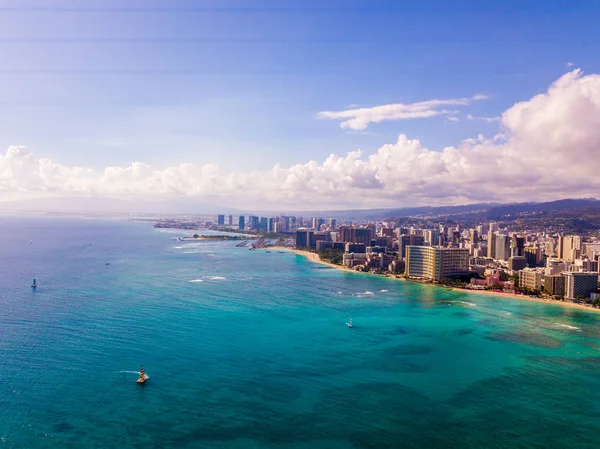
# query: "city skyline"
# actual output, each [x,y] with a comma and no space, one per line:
[305,107]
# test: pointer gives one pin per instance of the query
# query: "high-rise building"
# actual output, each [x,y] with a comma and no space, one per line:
[589,265]
[253,222]
[406,240]
[502,247]
[483,230]
[317,222]
[230,220]
[241,224]
[221,220]
[270,225]
[346,234]
[556,266]
[263,224]
[431,237]
[580,285]
[322,237]
[517,246]
[332,224]
[491,245]
[436,263]
[554,284]
[386,232]
[560,247]
[494,227]
[533,254]
[474,236]
[293,224]
[591,250]
[571,247]
[305,238]
[516,263]
[531,279]
[363,235]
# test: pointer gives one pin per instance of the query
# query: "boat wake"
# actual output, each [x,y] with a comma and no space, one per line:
[130,372]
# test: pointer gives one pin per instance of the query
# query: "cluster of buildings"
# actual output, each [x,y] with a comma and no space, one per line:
[279,224]
[485,256]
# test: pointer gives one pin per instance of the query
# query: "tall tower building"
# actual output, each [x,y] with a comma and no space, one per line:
[502,247]
[491,245]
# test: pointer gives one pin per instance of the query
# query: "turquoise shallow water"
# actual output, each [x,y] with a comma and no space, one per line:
[255,354]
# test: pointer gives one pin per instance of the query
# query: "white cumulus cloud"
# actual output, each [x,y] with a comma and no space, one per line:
[548,148]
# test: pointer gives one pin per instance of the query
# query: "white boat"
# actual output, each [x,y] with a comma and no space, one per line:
[349,324]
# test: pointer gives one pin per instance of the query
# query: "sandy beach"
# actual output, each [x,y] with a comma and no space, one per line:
[314,257]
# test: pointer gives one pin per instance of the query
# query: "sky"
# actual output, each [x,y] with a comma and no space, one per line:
[299,104]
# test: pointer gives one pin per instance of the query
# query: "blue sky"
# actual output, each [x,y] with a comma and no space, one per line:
[240,83]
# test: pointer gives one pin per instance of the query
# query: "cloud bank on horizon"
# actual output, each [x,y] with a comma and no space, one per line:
[548,148]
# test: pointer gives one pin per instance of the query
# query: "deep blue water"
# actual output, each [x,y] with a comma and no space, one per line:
[256,354]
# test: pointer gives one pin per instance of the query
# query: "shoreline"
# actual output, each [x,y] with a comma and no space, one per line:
[314,257]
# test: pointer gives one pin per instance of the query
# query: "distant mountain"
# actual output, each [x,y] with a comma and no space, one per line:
[560,205]
[481,210]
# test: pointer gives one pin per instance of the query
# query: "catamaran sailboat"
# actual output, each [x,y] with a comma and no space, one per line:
[349,324]
[143,376]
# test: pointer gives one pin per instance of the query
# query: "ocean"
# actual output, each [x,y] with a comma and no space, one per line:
[249,349]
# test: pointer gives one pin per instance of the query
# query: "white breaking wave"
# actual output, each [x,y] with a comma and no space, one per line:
[468,303]
[197,280]
[367,293]
[217,278]
[383,291]
[568,326]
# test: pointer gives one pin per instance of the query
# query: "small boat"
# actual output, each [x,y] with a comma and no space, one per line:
[349,324]
[143,376]
[30,241]
[34,285]
[107,263]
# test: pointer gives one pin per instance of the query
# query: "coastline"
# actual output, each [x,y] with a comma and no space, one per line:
[314,257]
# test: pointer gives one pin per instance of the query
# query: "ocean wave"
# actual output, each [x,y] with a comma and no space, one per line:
[217,278]
[367,293]
[197,280]
[383,291]
[468,303]
[567,326]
